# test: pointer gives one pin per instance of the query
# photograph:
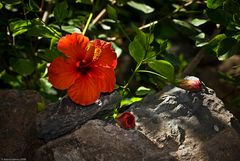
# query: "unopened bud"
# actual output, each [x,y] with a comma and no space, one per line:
[190,84]
[126,120]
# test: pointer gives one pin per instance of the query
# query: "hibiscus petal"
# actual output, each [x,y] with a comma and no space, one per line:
[62,73]
[73,45]
[84,91]
[105,78]
[107,57]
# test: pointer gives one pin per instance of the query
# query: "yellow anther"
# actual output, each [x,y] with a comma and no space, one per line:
[97,53]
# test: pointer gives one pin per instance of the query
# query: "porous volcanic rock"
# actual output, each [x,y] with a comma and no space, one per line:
[99,141]
[65,116]
[189,125]
[18,136]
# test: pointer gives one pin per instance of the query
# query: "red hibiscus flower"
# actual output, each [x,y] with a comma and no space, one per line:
[126,120]
[86,70]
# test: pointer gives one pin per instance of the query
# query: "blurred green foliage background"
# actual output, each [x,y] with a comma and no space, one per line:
[168,37]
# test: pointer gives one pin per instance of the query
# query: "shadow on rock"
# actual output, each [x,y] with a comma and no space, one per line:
[189,122]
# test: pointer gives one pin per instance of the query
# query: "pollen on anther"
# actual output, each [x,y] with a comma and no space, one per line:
[97,53]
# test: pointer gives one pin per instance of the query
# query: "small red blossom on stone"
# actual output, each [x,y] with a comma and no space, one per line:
[190,84]
[126,120]
[86,70]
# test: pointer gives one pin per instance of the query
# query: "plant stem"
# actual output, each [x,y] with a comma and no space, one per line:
[133,74]
[123,31]
[87,24]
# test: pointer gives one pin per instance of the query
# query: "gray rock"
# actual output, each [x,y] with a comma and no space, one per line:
[98,141]
[18,136]
[183,122]
[64,116]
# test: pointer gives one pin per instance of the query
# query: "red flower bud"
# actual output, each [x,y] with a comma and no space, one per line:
[126,120]
[190,84]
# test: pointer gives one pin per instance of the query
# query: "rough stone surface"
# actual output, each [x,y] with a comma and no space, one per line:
[98,141]
[18,110]
[188,125]
[64,116]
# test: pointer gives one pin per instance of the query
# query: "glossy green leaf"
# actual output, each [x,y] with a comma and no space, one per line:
[71,29]
[112,13]
[12,2]
[163,45]
[213,4]
[151,55]
[85,1]
[186,28]
[117,49]
[197,22]
[200,40]
[43,31]
[61,11]
[19,27]
[218,16]
[22,66]
[33,6]
[129,101]
[163,67]
[46,86]
[214,42]
[1,5]
[136,50]
[49,55]
[141,7]
[227,48]
[142,91]
[144,38]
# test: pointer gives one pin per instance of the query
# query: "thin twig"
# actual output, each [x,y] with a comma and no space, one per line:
[99,16]
[167,16]
[194,63]
[46,13]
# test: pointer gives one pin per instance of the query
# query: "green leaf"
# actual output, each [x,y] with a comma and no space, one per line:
[227,48]
[163,67]
[218,16]
[142,91]
[43,31]
[85,1]
[49,55]
[136,50]
[129,101]
[186,28]
[163,45]
[141,7]
[61,11]
[213,4]
[200,40]
[144,38]
[214,42]
[22,66]
[33,6]
[117,49]
[112,13]
[71,29]
[19,27]
[151,55]
[197,22]
[46,86]
[1,5]
[12,2]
